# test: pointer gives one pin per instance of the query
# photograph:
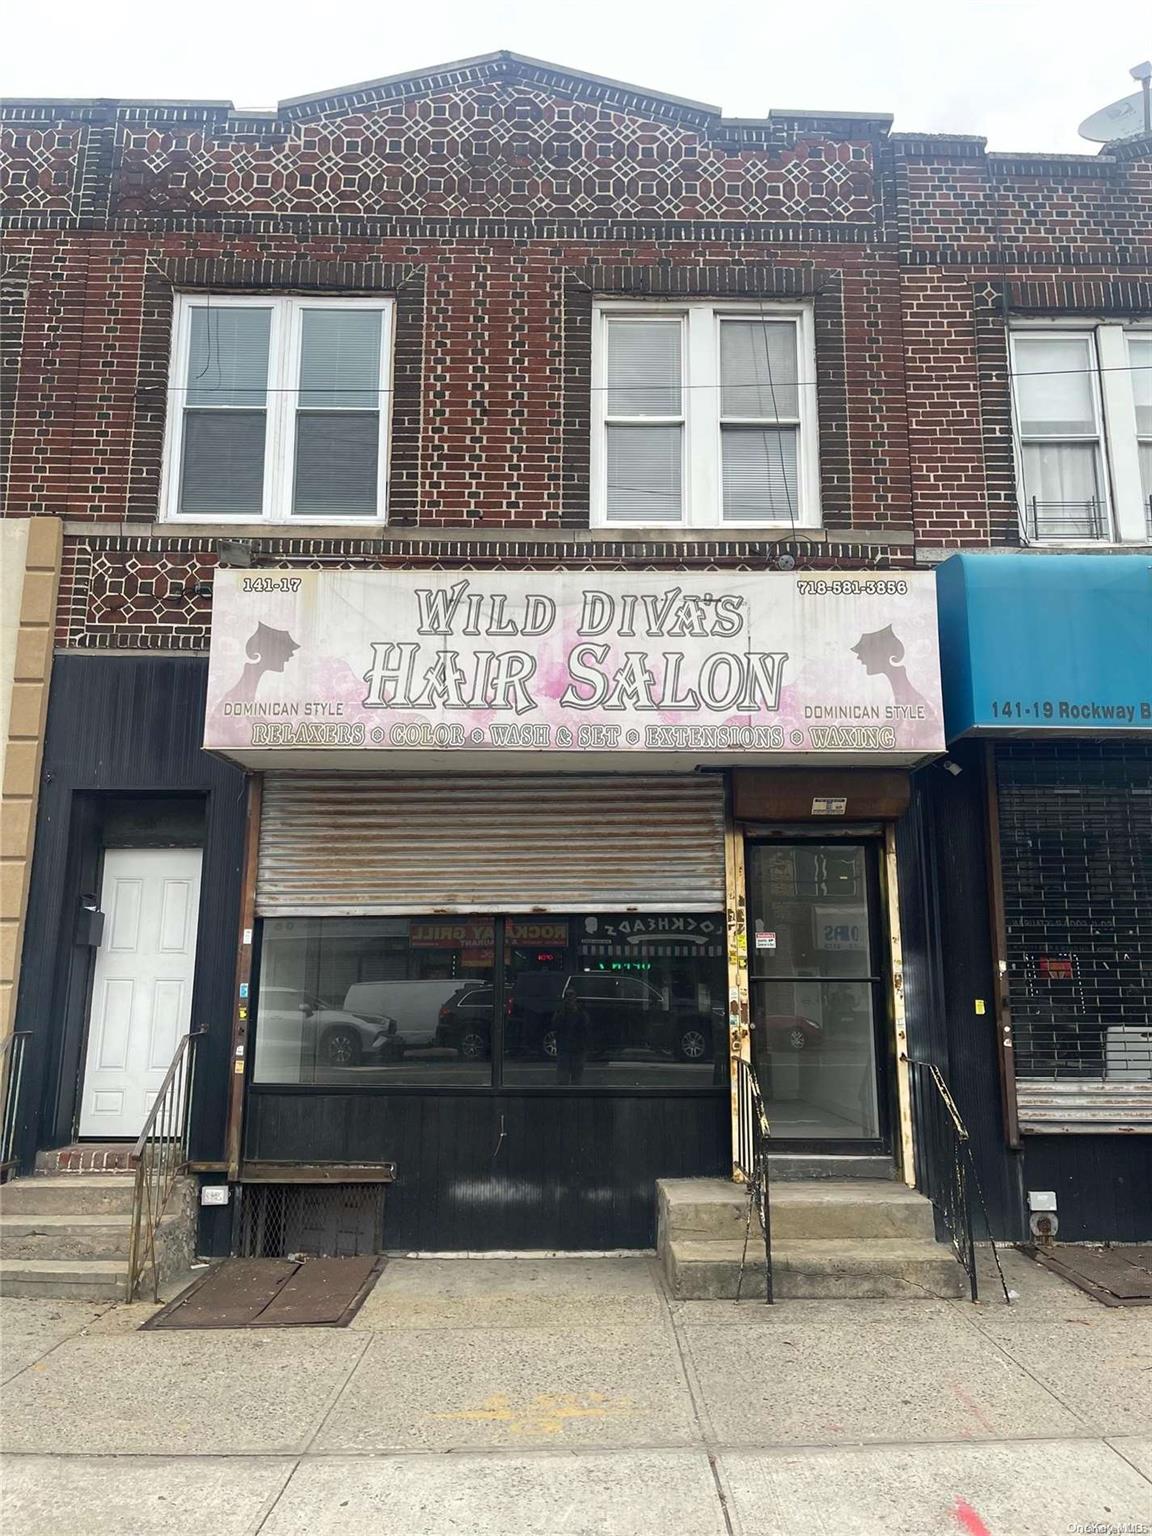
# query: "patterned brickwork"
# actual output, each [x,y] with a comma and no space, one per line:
[495,200]
[495,150]
[40,166]
[491,403]
[153,592]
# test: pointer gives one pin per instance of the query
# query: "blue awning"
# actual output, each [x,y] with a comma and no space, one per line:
[1046,644]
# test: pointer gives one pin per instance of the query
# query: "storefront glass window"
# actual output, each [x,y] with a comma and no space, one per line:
[618,1001]
[587,1001]
[812,989]
[366,999]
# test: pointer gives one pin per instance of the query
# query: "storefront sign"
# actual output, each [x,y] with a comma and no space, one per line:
[308,665]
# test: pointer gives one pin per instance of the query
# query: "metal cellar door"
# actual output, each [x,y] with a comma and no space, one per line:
[351,844]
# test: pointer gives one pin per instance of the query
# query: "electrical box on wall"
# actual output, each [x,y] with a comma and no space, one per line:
[1041,1199]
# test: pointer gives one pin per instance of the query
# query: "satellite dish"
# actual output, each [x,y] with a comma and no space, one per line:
[1123,119]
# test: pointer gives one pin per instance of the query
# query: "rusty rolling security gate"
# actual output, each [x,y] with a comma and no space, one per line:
[362,845]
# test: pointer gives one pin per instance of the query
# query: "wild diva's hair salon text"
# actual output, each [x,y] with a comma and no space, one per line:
[409,675]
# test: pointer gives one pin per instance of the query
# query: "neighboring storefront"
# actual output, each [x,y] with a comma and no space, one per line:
[504,829]
[1048,660]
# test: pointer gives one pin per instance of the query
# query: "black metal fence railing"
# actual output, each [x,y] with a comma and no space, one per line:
[158,1159]
[11,1078]
[752,1139]
[1064,519]
[945,1171]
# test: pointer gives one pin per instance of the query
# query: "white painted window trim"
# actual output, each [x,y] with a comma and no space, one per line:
[1114,402]
[1143,493]
[284,342]
[702,482]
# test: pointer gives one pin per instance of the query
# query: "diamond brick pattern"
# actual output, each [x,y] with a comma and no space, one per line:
[495,199]
[495,150]
[39,167]
[151,592]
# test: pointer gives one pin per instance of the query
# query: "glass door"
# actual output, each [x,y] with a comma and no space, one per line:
[815,990]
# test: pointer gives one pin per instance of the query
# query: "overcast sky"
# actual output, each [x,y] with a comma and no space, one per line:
[1022,72]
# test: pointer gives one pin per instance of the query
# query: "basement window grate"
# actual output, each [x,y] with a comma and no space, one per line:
[329,1221]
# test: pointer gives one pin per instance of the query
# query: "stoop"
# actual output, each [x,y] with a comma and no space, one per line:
[830,1238]
[66,1236]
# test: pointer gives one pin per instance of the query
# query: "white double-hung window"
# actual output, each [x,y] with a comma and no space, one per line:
[704,416]
[278,409]
[1082,400]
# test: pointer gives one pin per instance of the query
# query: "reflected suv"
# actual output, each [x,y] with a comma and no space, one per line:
[623,1013]
[297,1025]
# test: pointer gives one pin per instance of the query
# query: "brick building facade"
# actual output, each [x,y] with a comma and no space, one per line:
[496,203]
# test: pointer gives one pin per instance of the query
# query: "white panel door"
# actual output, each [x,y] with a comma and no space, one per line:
[142,988]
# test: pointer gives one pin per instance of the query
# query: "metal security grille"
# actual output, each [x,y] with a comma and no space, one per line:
[330,1221]
[350,844]
[1076,855]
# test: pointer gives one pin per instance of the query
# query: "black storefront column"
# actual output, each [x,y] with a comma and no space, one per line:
[1047,667]
[123,733]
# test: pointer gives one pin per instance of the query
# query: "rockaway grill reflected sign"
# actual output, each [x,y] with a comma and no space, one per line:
[707,667]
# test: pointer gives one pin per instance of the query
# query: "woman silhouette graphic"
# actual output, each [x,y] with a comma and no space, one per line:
[269,650]
[882,651]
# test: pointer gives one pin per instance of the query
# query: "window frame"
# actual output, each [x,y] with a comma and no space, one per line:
[1124,514]
[281,406]
[701,404]
[1143,439]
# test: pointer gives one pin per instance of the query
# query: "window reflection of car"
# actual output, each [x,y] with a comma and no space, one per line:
[790,1031]
[300,1026]
[465,1022]
[618,1013]
[415,1006]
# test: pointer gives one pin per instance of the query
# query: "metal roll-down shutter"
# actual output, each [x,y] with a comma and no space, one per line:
[339,844]
[1076,855]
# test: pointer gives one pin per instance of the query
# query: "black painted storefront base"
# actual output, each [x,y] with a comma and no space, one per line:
[505,1170]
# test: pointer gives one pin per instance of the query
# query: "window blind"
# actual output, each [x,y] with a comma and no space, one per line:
[758,370]
[759,469]
[338,419]
[645,473]
[225,411]
[644,370]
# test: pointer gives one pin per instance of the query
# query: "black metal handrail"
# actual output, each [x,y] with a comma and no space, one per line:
[751,1166]
[158,1159]
[11,1076]
[945,1170]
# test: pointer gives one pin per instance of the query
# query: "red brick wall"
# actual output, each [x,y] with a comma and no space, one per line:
[494,201]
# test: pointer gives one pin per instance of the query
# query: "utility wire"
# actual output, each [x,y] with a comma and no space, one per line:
[602,389]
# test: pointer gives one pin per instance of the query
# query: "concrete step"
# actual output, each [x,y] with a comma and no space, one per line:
[80,1194]
[64,1279]
[815,1209]
[850,1268]
[65,1236]
[821,1165]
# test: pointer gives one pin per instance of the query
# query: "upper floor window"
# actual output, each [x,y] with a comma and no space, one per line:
[704,416]
[277,409]
[1083,416]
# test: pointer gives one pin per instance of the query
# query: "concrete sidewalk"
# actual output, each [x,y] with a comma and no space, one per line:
[550,1398]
